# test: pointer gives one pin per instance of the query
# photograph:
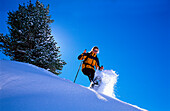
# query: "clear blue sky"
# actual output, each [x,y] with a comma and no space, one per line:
[132,36]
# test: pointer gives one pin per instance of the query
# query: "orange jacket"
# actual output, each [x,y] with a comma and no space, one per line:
[90,60]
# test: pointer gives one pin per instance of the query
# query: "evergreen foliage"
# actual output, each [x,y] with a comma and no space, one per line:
[30,38]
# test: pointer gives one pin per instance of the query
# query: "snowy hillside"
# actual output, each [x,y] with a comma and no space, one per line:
[24,87]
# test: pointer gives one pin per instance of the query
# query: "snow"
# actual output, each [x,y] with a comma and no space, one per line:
[25,87]
[20,31]
[109,79]
[22,51]
[31,23]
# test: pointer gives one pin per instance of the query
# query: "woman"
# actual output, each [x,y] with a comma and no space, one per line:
[90,60]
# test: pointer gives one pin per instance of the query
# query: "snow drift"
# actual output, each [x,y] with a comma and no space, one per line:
[24,87]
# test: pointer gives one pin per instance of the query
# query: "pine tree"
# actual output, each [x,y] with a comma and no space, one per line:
[30,38]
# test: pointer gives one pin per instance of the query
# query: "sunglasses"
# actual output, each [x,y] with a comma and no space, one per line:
[95,50]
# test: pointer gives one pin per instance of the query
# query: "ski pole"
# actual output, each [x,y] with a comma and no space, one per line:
[78,72]
[79,68]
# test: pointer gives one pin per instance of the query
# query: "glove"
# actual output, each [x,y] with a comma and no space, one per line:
[101,68]
[84,51]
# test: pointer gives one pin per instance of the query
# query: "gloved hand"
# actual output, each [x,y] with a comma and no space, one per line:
[84,51]
[101,68]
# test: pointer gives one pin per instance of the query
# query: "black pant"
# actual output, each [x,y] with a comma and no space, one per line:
[89,72]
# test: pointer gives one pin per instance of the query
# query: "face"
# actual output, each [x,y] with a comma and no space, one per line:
[96,51]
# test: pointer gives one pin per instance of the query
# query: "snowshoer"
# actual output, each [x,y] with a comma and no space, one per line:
[90,60]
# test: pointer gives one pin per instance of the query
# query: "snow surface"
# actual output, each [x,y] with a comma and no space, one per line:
[25,87]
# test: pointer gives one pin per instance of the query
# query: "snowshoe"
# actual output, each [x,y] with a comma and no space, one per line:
[96,82]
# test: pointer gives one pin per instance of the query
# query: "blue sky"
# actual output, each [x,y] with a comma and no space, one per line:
[132,36]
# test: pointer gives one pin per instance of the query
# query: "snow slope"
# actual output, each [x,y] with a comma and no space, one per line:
[24,87]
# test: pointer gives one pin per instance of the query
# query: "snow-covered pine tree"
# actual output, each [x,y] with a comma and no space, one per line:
[30,38]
